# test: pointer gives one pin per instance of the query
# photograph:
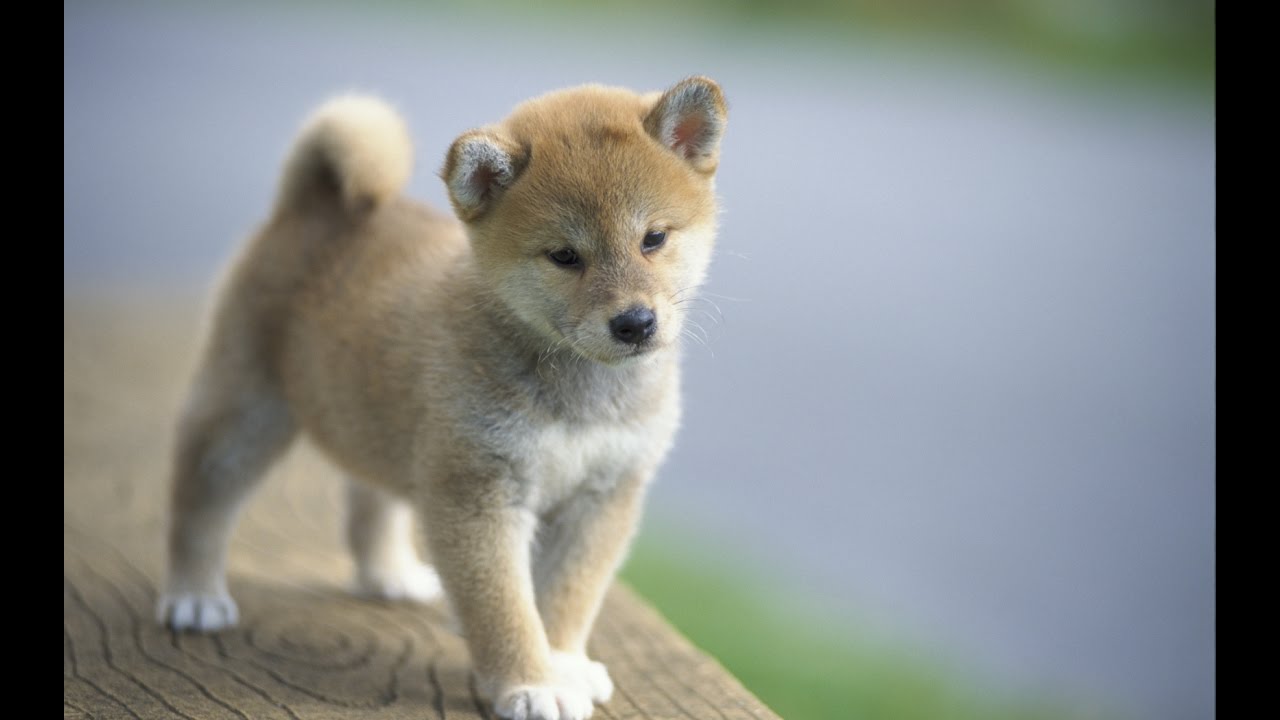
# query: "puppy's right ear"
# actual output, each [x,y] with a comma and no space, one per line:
[480,166]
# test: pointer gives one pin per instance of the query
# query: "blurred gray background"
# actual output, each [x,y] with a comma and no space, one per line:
[963,385]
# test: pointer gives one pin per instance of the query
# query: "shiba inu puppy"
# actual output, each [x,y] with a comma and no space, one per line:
[508,379]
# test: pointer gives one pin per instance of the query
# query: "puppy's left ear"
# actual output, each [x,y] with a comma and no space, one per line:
[689,119]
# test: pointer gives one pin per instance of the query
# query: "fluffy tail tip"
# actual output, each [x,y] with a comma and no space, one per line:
[356,145]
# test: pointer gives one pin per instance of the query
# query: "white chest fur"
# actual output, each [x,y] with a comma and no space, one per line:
[562,459]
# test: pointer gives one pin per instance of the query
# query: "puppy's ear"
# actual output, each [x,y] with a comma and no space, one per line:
[480,166]
[689,119]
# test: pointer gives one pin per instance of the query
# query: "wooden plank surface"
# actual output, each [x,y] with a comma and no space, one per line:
[305,648]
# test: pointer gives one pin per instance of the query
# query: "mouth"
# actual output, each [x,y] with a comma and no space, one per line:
[624,354]
[618,354]
[608,351]
[635,351]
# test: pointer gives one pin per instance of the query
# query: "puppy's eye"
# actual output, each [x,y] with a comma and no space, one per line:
[565,258]
[653,239]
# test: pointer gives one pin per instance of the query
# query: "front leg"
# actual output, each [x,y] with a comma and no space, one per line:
[580,551]
[482,557]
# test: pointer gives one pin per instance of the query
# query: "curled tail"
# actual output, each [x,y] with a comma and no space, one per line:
[353,151]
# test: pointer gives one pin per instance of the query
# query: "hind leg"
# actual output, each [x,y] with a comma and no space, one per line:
[380,531]
[235,426]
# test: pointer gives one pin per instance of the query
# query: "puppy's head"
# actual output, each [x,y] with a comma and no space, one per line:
[592,212]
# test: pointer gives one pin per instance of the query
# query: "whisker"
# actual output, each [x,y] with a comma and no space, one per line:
[686,332]
[709,316]
[678,293]
[717,318]
[703,330]
[713,304]
[726,297]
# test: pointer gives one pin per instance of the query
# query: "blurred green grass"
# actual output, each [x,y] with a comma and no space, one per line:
[804,660]
[1158,40]
[1168,43]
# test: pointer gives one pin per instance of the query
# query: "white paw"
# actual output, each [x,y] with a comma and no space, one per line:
[202,613]
[579,671]
[410,581]
[543,702]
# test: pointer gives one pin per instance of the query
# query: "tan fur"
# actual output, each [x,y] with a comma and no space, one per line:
[459,370]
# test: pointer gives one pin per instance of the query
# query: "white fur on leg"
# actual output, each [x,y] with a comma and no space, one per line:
[411,581]
[380,533]
[201,613]
[579,671]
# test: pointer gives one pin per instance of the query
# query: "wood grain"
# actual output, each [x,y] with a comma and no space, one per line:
[305,648]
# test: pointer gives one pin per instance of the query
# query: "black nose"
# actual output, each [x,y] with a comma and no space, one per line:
[634,326]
